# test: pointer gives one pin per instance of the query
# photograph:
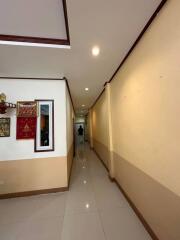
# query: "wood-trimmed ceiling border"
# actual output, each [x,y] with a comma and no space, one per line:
[40,40]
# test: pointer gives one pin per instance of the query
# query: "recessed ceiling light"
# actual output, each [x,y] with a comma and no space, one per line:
[83,105]
[86,89]
[87,205]
[95,51]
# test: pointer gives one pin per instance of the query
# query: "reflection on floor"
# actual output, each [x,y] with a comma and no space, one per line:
[93,209]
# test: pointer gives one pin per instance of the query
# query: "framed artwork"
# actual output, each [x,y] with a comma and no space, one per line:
[27,109]
[5,127]
[26,128]
[44,140]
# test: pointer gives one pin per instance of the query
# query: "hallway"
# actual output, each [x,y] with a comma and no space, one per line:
[93,209]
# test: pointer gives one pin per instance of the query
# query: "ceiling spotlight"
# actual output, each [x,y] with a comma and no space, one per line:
[87,205]
[83,105]
[86,89]
[95,51]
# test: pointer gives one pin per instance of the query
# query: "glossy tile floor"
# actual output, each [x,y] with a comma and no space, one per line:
[93,209]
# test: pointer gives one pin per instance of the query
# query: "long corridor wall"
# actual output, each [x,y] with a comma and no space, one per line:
[145,116]
[100,129]
[22,170]
[70,132]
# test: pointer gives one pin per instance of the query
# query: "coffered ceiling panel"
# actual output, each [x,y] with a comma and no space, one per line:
[34,18]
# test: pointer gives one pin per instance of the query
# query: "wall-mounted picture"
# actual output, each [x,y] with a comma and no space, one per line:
[5,127]
[27,109]
[25,128]
[44,140]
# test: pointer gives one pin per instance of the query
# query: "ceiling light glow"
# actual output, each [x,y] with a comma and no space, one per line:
[87,205]
[86,89]
[95,51]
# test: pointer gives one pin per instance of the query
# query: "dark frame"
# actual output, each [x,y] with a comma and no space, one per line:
[30,39]
[9,123]
[35,140]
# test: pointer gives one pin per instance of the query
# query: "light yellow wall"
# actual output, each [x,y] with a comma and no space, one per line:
[70,130]
[88,127]
[100,120]
[100,130]
[145,122]
[145,101]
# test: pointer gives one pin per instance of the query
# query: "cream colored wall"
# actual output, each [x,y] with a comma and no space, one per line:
[145,101]
[22,169]
[70,129]
[87,128]
[144,117]
[100,120]
[100,130]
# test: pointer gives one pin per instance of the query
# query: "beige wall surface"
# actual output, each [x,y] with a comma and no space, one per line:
[145,101]
[100,120]
[145,116]
[33,174]
[100,133]
[70,162]
[102,151]
[22,169]
[70,132]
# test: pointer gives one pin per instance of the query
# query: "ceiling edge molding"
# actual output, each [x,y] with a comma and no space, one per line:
[32,78]
[41,40]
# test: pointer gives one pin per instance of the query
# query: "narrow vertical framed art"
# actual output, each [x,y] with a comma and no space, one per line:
[44,140]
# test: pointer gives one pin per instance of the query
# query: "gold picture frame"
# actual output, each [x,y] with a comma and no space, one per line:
[5,127]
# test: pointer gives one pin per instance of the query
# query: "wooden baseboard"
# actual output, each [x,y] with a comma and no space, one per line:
[32,193]
[137,212]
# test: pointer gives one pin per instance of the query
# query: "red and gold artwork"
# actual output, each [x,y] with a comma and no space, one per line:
[27,109]
[26,127]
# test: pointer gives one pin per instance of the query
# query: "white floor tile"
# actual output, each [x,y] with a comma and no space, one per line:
[108,195]
[49,205]
[79,202]
[122,224]
[85,226]
[41,229]
[9,231]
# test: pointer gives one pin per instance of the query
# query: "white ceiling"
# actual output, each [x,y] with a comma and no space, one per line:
[28,18]
[112,25]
